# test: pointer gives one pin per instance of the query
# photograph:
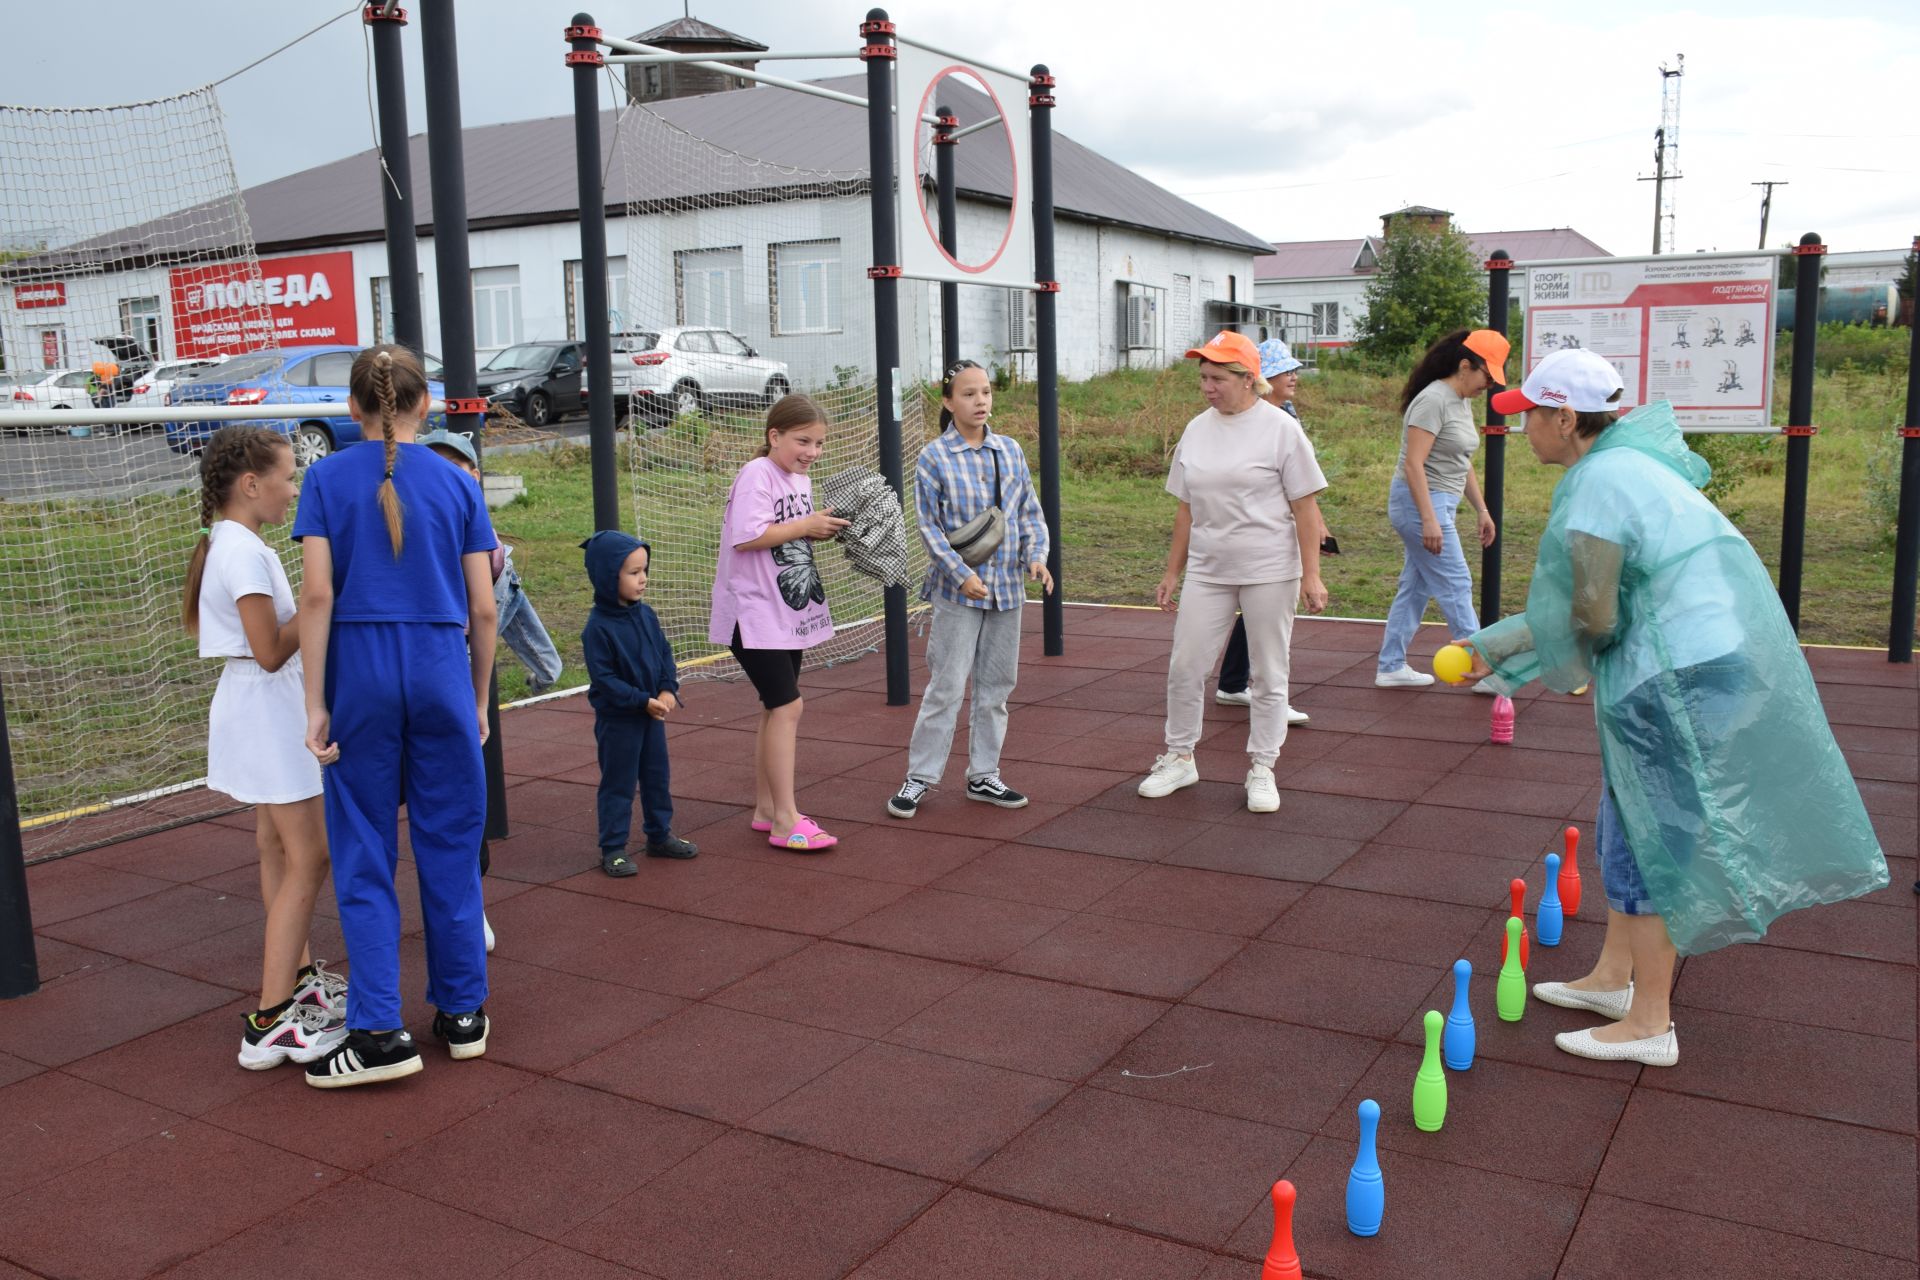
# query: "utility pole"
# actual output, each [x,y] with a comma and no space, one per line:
[1666,152]
[1766,206]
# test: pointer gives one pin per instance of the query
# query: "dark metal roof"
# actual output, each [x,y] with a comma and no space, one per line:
[682,30]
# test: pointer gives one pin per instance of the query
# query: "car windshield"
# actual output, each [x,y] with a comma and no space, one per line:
[528,355]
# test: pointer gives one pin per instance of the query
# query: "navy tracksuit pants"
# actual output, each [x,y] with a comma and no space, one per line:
[633,751]
[402,705]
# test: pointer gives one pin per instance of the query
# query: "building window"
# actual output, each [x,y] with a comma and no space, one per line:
[710,288]
[140,317]
[650,80]
[496,307]
[806,286]
[1020,335]
[1140,312]
[1326,319]
[616,297]
[381,289]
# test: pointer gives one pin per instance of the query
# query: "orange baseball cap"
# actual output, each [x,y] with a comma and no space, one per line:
[1228,347]
[1492,347]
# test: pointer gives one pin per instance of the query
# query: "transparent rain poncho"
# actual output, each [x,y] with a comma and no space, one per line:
[1734,797]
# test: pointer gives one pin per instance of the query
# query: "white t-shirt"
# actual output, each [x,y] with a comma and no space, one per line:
[1240,473]
[238,564]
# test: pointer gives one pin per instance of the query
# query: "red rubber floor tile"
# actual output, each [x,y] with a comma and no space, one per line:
[1189,898]
[68,1020]
[715,1062]
[1045,877]
[1483,832]
[1171,1171]
[1621,1237]
[542,855]
[67,888]
[1204,801]
[574,1151]
[898,853]
[1125,955]
[953,926]
[183,854]
[1799,986]
[232,958]
[183,1067]
[1311,813]
[667,883]
[1865,930]
[1430,874]
[555,1262]
[854,990]
[549,927]
[1318,989]
[14,1070]
[910,1110]
[51,1122]
[545,1020]
[1238,1066]
[800,900]
[1399,753]
[1043,1028]
[782,1210]
[1378,925]
[1112,833]
[684,956]
[124,1214]
[1833,1182]
[1275,853]
[1373,782]
[63,962]
[982,1238]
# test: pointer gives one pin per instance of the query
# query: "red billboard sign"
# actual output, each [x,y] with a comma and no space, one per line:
[306,300]
[53,294]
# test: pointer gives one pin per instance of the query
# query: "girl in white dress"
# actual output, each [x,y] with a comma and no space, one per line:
[239,604]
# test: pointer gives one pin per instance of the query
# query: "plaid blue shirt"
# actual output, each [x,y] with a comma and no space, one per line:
[953,483]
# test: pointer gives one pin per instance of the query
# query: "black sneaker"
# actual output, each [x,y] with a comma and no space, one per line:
[672,847]
[366,1057]
[618,864]
[905,802]
[995,792]
[465,1033]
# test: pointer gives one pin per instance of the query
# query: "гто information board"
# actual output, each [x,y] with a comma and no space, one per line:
[1693,329]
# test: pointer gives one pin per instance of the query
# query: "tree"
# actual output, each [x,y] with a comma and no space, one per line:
[1430,283]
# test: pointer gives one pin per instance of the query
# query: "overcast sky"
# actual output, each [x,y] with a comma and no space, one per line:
[1296,121]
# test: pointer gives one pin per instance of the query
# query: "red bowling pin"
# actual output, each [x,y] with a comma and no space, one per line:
[1518,891]
[1282,1262]
[1570,875]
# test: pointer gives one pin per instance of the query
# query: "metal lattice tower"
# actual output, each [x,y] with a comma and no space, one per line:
[1670,130]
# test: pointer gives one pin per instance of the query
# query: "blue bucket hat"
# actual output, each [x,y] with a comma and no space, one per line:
[456,441]
[1275,359]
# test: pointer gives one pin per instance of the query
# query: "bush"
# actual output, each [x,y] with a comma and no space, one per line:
[1851,346]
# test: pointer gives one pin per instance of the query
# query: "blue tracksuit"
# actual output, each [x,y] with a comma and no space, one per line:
[400,691]
[628,662]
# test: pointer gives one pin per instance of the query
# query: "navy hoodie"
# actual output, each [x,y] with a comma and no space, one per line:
[628,657]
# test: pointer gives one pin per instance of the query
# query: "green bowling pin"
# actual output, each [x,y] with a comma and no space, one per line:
[1430,1086]
[1510,998]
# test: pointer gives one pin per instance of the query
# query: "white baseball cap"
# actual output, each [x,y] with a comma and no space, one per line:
[1577,380]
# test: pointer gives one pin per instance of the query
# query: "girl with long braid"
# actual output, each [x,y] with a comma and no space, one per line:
[397,622]
[240,606]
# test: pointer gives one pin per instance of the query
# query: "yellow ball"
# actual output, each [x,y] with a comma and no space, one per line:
[1452,663]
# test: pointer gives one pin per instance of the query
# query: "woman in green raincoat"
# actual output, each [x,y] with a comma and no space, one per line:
[1726,802]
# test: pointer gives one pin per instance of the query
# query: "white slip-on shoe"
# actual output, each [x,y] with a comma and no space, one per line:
[1655,1051]
[1296,716]
[1170,773]
[1608,1004]
[1262,795]
[1402,677]
[1227,698]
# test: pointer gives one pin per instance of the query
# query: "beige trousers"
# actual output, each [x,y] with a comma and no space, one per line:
[1200,632]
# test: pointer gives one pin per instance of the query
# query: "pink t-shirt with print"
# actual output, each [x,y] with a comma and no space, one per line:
[774,594]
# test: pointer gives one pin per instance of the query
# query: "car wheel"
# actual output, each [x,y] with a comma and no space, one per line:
[311,442]
[539,410]
[776,387]
[686,399]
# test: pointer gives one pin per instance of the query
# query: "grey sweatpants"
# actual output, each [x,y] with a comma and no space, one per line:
[1200,631]
[983,644]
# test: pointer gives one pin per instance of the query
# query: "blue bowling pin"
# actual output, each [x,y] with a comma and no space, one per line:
[1549,916]
[1366,1193]
[1456,1041]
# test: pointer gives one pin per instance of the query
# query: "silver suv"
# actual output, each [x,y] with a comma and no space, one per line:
[659,374]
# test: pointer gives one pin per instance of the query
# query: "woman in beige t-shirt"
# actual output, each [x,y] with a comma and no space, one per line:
[1246,479]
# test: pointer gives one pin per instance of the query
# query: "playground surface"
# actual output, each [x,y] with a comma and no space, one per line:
[1076,1040]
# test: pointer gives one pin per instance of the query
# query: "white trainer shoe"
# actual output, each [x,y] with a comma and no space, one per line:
[1655,1051]
[486,930]
[1402,677]
[1170,773]
[1296,716]
[1225,698]
[1262,795]
[1608,1004]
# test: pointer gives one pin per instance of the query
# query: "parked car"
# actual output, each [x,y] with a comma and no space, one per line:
[539,382]
[315,376]
[662,373]
[151,391]
[39,390]
[135,362]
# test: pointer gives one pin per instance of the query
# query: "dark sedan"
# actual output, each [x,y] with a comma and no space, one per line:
[539,382]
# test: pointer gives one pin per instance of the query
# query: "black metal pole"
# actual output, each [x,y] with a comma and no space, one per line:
[453,279]
[585,58]
[878,53]
[19,968]
[1799,429]
[396,184]
[1046,333]
[1494,489]
[1906,542]
[943,159]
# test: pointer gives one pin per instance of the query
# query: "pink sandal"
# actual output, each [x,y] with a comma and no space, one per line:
[806,837]
[758,825]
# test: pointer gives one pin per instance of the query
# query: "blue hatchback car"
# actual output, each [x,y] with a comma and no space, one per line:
[314,376]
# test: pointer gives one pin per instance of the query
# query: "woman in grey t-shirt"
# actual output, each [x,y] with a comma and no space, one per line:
[1434,471]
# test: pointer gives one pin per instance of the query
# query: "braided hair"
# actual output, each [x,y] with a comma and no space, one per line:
[389,377]
[233,452]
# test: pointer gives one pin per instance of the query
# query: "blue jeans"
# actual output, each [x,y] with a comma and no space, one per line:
[1619,872]
[1441,578]
[522,631]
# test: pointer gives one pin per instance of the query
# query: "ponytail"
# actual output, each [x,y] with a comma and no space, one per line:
[231,453]
[389,378]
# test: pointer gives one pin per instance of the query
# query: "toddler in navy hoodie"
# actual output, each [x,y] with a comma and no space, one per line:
[635,687]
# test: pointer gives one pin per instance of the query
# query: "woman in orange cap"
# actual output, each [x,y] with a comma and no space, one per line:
[1246,478]
[1434,471]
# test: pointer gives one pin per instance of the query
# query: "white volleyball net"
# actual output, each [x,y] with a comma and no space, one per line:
[114,224]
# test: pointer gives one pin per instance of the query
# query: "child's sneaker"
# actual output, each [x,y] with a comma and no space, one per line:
[905,802]
[1170,773]
[672,847]
[995,792]
[298,1033]
[366,1057]
[465,1033]
[321,988]
[1402,677]
[617,864]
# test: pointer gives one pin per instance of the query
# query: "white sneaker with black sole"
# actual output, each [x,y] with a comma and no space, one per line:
[991,790]
[1402,677]
[298,1033]
[366,1057]
[905,802]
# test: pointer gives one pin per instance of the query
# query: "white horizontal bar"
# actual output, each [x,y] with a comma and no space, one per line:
[1629,259]
[176,413]
[961,277]
[975,127]
[632,58]
[650,54]
[1023,76]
